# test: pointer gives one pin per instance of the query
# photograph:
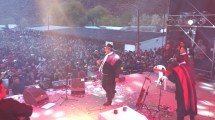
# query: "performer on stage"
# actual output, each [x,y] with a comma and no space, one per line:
[11,109]
[110,69]
[185,93]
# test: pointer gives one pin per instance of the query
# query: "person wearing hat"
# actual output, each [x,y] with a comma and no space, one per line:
[110,69]
[11,109]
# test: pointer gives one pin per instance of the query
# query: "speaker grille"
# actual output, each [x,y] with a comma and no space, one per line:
[77,86]
[35,96]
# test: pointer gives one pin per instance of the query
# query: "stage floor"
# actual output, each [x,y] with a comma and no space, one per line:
[89,105]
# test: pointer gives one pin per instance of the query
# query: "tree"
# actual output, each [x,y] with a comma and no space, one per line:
[96,15]
[145,19]
[126,19]
[156,20]
[68,13]
[109,20]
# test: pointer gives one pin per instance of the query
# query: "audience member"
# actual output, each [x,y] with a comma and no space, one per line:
[11,109]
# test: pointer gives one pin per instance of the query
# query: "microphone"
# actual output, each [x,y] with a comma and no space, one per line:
[148,79]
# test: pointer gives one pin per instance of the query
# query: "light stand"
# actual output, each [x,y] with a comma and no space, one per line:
[66,87]
[159,102]
[142,96]
[160,94]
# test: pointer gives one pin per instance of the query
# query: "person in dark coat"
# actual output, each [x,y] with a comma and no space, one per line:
[110,69]
[183,77]
[11,109]
[167,53]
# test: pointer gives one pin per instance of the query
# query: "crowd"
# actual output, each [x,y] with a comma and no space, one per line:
[29,56]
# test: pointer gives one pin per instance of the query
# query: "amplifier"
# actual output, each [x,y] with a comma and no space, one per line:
[77,86]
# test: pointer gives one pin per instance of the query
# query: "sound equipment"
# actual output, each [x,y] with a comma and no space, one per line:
[35,96]
[59,84]
[77,86]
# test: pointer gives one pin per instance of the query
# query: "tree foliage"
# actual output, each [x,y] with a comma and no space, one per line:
[82,12]
[96,15]
[125,19]
[66,13]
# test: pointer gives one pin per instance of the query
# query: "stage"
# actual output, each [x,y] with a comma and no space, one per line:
[159,104]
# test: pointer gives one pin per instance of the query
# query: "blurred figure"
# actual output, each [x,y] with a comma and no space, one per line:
[11,109]
[82,73]
[68,68]
[198,52]
[167,54]
[183,57]
[180,53]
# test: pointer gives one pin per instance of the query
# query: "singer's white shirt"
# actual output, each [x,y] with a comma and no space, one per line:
[103,62]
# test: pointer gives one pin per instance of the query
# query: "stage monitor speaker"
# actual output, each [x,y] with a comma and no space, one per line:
[35,96]
[77,86]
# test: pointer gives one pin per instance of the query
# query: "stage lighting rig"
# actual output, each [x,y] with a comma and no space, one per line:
[188,19]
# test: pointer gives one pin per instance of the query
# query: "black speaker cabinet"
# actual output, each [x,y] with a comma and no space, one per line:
[35,96]
[77,86]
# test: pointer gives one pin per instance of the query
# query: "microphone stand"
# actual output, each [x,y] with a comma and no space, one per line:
[66,87]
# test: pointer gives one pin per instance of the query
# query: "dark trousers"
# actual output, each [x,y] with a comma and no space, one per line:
[109,85]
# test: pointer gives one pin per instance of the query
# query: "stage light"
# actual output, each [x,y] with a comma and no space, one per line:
[171,21]
[202,21]
[190,22]
[187,19]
